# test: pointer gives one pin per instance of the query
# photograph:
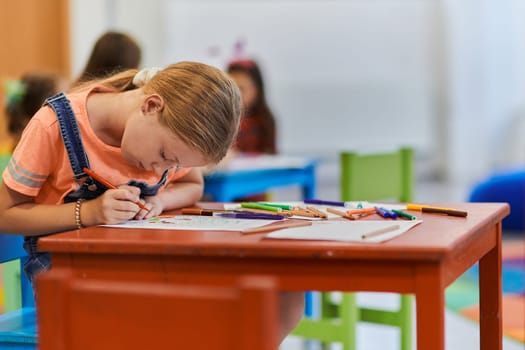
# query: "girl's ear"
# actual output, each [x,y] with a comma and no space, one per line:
[153,104]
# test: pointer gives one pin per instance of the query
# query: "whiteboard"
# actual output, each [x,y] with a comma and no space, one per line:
[339,74]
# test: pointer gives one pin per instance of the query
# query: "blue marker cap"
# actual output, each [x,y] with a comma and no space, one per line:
[391,213]
[385,213]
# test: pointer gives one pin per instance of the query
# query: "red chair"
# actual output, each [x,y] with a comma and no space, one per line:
[242,315]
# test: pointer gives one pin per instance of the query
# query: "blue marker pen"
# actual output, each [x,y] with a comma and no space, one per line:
[251,216]
[384,213]
[391,213]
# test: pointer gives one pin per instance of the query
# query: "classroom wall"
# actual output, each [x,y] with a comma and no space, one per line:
[444,77]
[34,36]
[485,56]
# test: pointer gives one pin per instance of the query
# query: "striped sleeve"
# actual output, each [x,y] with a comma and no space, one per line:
[33,158]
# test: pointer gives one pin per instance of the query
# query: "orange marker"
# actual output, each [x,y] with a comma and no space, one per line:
[109,185]
[361,211]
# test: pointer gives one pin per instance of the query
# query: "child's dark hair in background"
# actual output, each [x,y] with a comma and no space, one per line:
[113,52]
[24,99]
[257,131]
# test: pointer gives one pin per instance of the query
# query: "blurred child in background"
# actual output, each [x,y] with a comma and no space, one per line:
[113,52]
[24,97]
[257,133]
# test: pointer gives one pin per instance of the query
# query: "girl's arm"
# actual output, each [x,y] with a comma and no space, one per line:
[183,192]
[20,215]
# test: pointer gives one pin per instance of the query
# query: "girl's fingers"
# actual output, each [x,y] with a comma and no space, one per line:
[123,194]
[132,189]
[142,214]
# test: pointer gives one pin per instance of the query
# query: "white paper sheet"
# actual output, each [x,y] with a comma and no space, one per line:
[351,231]
[194,222]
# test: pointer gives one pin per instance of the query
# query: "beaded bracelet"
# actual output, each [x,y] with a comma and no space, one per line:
[78,222]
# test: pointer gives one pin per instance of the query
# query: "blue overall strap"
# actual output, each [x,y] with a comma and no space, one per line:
[70,133]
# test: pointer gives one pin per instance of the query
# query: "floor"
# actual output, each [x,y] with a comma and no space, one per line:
[461,334]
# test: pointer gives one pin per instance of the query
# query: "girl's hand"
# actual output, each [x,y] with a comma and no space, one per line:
[112,207]
[155,207]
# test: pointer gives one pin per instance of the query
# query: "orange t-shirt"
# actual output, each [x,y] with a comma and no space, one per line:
[40,165]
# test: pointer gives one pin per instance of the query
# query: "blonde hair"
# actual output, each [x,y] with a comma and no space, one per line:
[202,105]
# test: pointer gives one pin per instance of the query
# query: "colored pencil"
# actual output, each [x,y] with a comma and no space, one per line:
[379,231]
[361,211]
[451,212]
[277,226]
[302,212]
[437,210]
[253,205]
[340,213]
[320,213]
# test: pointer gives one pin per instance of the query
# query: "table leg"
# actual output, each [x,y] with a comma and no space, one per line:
[490,302]
[430,308]
[309,183]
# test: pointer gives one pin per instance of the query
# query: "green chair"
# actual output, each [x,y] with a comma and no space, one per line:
[379,177]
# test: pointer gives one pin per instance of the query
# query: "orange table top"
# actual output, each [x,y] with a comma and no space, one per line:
[435,238]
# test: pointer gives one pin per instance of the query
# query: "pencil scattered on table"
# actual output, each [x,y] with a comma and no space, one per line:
[244,210]
[450,212]
[404,215]
[303,212]
[198,211]
[282,206]
[340,213]
[361,211]
[254,205]
[323,202]
[278,226]
[318,212]
[249,215]
[285,209]
[379,231]
[385,213]
[437,210]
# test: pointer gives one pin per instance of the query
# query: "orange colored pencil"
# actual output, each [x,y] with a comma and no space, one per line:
[361,211]
[109,185]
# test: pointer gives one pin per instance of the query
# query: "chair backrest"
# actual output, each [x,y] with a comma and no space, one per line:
[242,315]
[17,288]
[18,321]
[377,176]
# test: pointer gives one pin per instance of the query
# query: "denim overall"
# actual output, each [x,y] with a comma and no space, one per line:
[89,189]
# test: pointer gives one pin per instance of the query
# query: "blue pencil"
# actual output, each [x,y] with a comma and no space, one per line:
[321,202]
